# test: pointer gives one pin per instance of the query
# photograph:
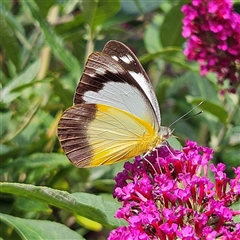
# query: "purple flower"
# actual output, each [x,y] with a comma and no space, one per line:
[168,195]
[212,29]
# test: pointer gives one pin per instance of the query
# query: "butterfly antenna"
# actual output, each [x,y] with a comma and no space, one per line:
[184,115]
[145,159]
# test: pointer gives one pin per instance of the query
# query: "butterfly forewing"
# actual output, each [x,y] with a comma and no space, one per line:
[105,81]
[127,59]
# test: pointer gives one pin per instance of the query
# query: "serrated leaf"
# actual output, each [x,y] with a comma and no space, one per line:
[29,229]
[84,204]
[171,29]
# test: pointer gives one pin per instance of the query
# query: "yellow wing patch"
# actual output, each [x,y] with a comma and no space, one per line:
[97,134]
[116,135]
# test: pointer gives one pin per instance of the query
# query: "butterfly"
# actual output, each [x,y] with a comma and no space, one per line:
[115,115]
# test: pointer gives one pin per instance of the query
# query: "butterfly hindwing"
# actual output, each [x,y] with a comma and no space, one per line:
[96,134]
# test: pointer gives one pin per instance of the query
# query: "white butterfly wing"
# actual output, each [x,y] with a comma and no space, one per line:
[123,55]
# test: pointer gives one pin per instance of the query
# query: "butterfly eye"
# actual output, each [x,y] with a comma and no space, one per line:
[165,132]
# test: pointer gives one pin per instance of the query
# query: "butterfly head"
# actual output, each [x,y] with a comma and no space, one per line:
[165,132]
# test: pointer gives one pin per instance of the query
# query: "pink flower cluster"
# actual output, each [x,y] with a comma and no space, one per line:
[212,29]
[169,195]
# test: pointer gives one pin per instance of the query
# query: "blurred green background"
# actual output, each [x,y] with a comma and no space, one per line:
[43,48]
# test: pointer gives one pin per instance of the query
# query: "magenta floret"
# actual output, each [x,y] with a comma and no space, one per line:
[168,195]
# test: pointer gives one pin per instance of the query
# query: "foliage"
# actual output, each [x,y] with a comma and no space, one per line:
[44,45]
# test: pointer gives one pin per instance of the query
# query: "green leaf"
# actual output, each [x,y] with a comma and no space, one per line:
[211,107]
[44,6]
[55,42]
[31,205]
[170,54]
[8,94]
[236,208]
[202,90]
[231,156]
[8,40]
[174,143]
[128,12]
[11,19]
[49,161]
[171,29]
[39,229]
[94,204]
[24,123]
[64,93]
[200,86]
[96,12]
[36,166]
[151,39]
[84,204]
[74,26]
[5,117]
[136,7]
